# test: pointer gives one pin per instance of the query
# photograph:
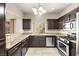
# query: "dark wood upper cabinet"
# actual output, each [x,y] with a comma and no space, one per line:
[26,24]
[73,16]
[52,24]
[60,23]
[66,18]
[69,17]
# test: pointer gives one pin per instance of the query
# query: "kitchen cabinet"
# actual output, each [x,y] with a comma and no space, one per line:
[72,49]
[40,41]
[60,23]
[34,42]
[24,47]
[26,24]
[19,49]
[37,41]
[15,50]
[73,16]
[65,22]
[66,18]
[2,31]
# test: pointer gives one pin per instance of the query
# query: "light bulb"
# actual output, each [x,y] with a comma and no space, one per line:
[34,9]
[40,8]
[35,12]
[40,13]
[43,11]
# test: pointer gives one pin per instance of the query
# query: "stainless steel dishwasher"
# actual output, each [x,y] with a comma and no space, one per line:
[50,41]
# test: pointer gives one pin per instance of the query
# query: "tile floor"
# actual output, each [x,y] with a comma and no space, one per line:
[42,52]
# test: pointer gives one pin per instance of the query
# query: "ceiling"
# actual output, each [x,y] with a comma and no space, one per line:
[58,7]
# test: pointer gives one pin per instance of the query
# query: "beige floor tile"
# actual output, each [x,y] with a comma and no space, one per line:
[42,52]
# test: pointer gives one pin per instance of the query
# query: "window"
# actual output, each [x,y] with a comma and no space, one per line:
[26,24]
[52,24]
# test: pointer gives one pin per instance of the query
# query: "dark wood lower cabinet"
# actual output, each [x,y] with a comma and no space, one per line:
[2,50]
[15,51]
[72,49]
[24,47]
[21,48]
[40,41]
[37,41]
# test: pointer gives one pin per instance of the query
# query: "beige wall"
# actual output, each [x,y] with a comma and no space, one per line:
[12,12]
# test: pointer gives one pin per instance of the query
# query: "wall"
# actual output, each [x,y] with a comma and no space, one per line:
[12,12]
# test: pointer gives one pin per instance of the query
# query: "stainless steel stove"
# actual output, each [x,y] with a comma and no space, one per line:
[63,46]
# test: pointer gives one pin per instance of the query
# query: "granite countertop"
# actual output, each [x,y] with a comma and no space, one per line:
[13,40]
[16,40]
[69,39]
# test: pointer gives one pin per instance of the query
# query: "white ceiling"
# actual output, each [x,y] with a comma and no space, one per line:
[27,7]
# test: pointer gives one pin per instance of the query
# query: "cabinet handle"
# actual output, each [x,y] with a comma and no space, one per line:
[71,25]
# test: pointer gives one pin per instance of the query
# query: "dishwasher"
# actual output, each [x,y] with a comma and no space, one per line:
[50,41]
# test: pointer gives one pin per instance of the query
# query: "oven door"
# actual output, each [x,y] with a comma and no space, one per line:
[63,47]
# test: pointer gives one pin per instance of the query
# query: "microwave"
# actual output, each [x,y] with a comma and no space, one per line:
[70,25]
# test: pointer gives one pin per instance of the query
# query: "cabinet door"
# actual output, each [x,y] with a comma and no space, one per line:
[66,18]
[24,47]
[72,49]
[17,52]
[42,41]
[37,41]
[54,41]
[60,23]
[73,16]
[34,41]
[24,51]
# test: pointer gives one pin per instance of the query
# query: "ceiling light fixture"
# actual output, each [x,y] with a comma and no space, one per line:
[35,11]
[40,10]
